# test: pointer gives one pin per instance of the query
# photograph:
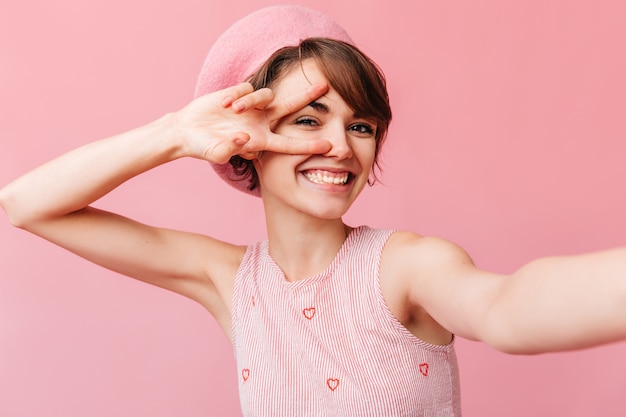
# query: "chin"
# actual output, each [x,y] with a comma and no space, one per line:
[328,211]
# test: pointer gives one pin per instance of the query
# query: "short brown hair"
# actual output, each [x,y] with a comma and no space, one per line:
[357,79]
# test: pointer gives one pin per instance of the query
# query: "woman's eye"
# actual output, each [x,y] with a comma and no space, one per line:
[307,121]
[362,128]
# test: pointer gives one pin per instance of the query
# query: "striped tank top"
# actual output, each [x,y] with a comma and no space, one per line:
[329,346]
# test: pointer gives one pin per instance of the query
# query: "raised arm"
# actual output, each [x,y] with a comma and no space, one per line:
[551,304]
[53,201]
[208,128]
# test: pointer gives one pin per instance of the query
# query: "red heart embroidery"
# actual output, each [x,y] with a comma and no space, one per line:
[424,369]
[309,312]
[332,383]
[245,373]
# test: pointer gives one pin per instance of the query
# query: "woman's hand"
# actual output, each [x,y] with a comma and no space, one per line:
[238,121]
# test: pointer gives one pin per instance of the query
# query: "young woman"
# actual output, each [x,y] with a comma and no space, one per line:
[325,319]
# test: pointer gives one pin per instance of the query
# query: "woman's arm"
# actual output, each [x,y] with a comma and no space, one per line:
[551,304]
[53,201]
[208,128]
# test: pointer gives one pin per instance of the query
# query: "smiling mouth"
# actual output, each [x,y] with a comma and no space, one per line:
[325,177]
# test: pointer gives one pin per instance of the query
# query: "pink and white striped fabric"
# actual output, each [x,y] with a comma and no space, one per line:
[329,346]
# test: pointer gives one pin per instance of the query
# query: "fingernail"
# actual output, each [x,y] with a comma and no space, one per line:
[239,106]
[227,101]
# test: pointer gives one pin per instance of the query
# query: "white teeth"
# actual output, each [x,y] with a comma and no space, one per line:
[319,178]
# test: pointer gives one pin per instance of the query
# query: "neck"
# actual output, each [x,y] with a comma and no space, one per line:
[303,246]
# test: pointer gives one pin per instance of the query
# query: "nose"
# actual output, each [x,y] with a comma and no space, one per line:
[340,143]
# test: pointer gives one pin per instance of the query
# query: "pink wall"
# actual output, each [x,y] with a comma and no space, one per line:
[509,138]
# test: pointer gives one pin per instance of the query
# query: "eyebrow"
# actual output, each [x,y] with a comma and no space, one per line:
[323,108]
[320,107]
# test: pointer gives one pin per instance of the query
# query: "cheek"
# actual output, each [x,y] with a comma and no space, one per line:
[366,151]
[273,165]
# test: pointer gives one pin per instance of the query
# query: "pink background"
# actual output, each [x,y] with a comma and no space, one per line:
[509,139]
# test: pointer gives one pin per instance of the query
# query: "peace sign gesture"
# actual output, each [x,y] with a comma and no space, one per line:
[238,121]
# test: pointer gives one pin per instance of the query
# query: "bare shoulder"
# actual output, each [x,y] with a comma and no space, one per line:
[410,253]
[410,265]
[438,279]
[211,282]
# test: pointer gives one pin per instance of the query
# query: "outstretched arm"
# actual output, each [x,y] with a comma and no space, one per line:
[551,304]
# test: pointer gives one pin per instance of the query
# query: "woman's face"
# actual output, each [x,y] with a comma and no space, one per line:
[323,185]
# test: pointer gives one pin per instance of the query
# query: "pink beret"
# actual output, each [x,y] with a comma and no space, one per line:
[248,43]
